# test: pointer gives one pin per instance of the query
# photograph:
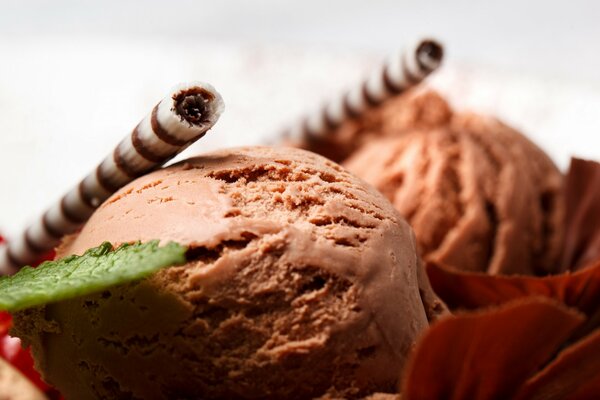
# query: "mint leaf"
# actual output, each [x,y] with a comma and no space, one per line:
[98,269]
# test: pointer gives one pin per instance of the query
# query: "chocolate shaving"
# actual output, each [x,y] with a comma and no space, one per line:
[468,290]
[574,374]
[488,355]
[485,355]
[582,219]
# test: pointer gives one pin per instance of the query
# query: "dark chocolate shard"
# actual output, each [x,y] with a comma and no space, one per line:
[573,375]
[582,219]
[488,355]
[469,290]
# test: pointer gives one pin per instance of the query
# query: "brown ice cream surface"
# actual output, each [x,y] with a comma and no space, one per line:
[304,281]
[479,195]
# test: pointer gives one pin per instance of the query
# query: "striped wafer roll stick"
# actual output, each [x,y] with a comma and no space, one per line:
[395,76]
[181,118]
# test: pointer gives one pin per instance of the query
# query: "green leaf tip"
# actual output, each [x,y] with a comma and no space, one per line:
[97,269]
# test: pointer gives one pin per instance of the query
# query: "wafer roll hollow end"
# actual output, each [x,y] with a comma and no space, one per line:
[430,54]
[7,265]
[198,104]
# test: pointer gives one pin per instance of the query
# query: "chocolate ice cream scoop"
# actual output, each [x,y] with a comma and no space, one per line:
[301,281]
[479,195]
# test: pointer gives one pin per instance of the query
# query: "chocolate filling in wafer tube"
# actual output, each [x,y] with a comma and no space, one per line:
[251,272]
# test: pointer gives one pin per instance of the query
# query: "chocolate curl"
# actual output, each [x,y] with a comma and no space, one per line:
[487,355]
[180,119]
[582,220]
[573,375]
[393,78]
[469,290]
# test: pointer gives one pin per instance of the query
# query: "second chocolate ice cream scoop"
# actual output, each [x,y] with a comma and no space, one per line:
[479,195]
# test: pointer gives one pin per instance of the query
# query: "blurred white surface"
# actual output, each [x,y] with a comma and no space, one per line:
[548,38]
[76,76]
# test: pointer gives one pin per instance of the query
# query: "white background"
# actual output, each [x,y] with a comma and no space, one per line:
[76,76]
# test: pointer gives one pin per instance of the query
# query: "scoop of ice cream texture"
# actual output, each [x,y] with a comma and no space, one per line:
[479,195]
[302,282]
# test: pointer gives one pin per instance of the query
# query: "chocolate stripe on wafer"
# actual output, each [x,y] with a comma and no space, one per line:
[122,164]
[367,95]
[141,148]
[390,84]
[104,180]
[31,243]
[51,230]
[406,70]
[162,133]
[7,262]
[181,118]
[349,109]
[85,196]
[69,213]
[393,78]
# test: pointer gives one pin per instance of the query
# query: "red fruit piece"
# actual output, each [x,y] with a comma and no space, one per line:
[11,350]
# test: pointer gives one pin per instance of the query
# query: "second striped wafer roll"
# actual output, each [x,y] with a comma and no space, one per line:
[395,76]
[180,119]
